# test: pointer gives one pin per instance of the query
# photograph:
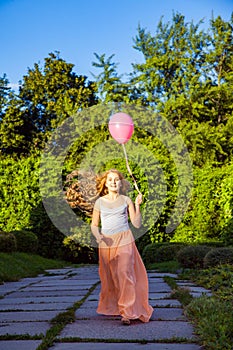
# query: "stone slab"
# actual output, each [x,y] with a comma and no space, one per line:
[44,293]
[28,316]
[123,346]
[38,300]
[92,304]
[164,314]
[165,303]
[162,274]
[24,328]
[159,287]
[10,287]
[57,288]
[155,279]
[158,295]
[62,271]
[19,344]
[36,307]
[66,283]
[151,331]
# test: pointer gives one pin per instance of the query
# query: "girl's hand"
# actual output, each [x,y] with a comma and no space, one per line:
[138,200]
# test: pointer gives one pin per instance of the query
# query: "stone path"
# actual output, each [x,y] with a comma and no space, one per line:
[27,306]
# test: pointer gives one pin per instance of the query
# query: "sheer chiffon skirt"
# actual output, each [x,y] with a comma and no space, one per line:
[124,282]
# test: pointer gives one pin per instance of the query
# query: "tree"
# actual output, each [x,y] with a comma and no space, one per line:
[46,97]
[173,59]
[5,92]
[52,92]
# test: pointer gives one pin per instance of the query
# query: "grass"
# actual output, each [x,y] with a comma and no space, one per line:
[166,266]
[15,266]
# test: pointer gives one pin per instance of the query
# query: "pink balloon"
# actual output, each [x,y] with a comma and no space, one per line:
[121,127]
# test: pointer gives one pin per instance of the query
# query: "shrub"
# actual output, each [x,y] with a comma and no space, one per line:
[79,253]
[27,241]
[192,256]
[160,252]
[218,256]
[7,242]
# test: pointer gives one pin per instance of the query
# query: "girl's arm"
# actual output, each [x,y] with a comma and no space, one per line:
[95,226]
[134,211]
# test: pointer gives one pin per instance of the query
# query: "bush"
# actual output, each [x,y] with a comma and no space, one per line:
[27,241]
[7,242]
[218,256]
[78,253]
[160,252]
[192,257]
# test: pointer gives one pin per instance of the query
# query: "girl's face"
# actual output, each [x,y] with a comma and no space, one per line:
[113,182]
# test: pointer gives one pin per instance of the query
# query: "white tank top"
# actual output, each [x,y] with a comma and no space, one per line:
[113,214]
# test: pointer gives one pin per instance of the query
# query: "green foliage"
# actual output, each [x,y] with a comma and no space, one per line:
[17,265]
[7,242]
[79,253]
[219,279]
[192,257]
[19,192]
[218,256]
[185,77]
[160,252]
[213,322]
[209,217]
[27,241]
[47,96]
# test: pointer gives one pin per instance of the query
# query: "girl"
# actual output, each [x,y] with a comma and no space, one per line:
[124,282]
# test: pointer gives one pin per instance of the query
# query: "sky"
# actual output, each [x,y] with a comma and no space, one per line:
[31,29]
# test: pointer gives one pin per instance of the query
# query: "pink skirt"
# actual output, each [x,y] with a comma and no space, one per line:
[124,281]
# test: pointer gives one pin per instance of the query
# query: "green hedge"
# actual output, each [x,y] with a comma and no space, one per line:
[7,242]
[218,256]
[193,256]
[160,252]
[27,241]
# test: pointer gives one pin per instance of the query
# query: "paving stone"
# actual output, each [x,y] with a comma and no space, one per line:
[24,328]
[159,287]
[37,300]
[165,303]
[22,316]
[57,287]
[66,283]
[92,304]
[36,307]
[62,271]
[11,287]
[123,346]
[138,331]
[158,314]
[162,274]
[158,295]
[168,314]
[46,293]
[42,298]
[19,344]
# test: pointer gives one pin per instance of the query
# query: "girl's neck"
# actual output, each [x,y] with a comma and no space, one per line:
[112,195]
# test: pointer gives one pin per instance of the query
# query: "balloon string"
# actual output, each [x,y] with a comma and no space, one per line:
[129,170]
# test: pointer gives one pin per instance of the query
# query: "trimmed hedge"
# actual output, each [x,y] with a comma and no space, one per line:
[8,242]
[192,257]
[218,256]
[27,241]
[160,252]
